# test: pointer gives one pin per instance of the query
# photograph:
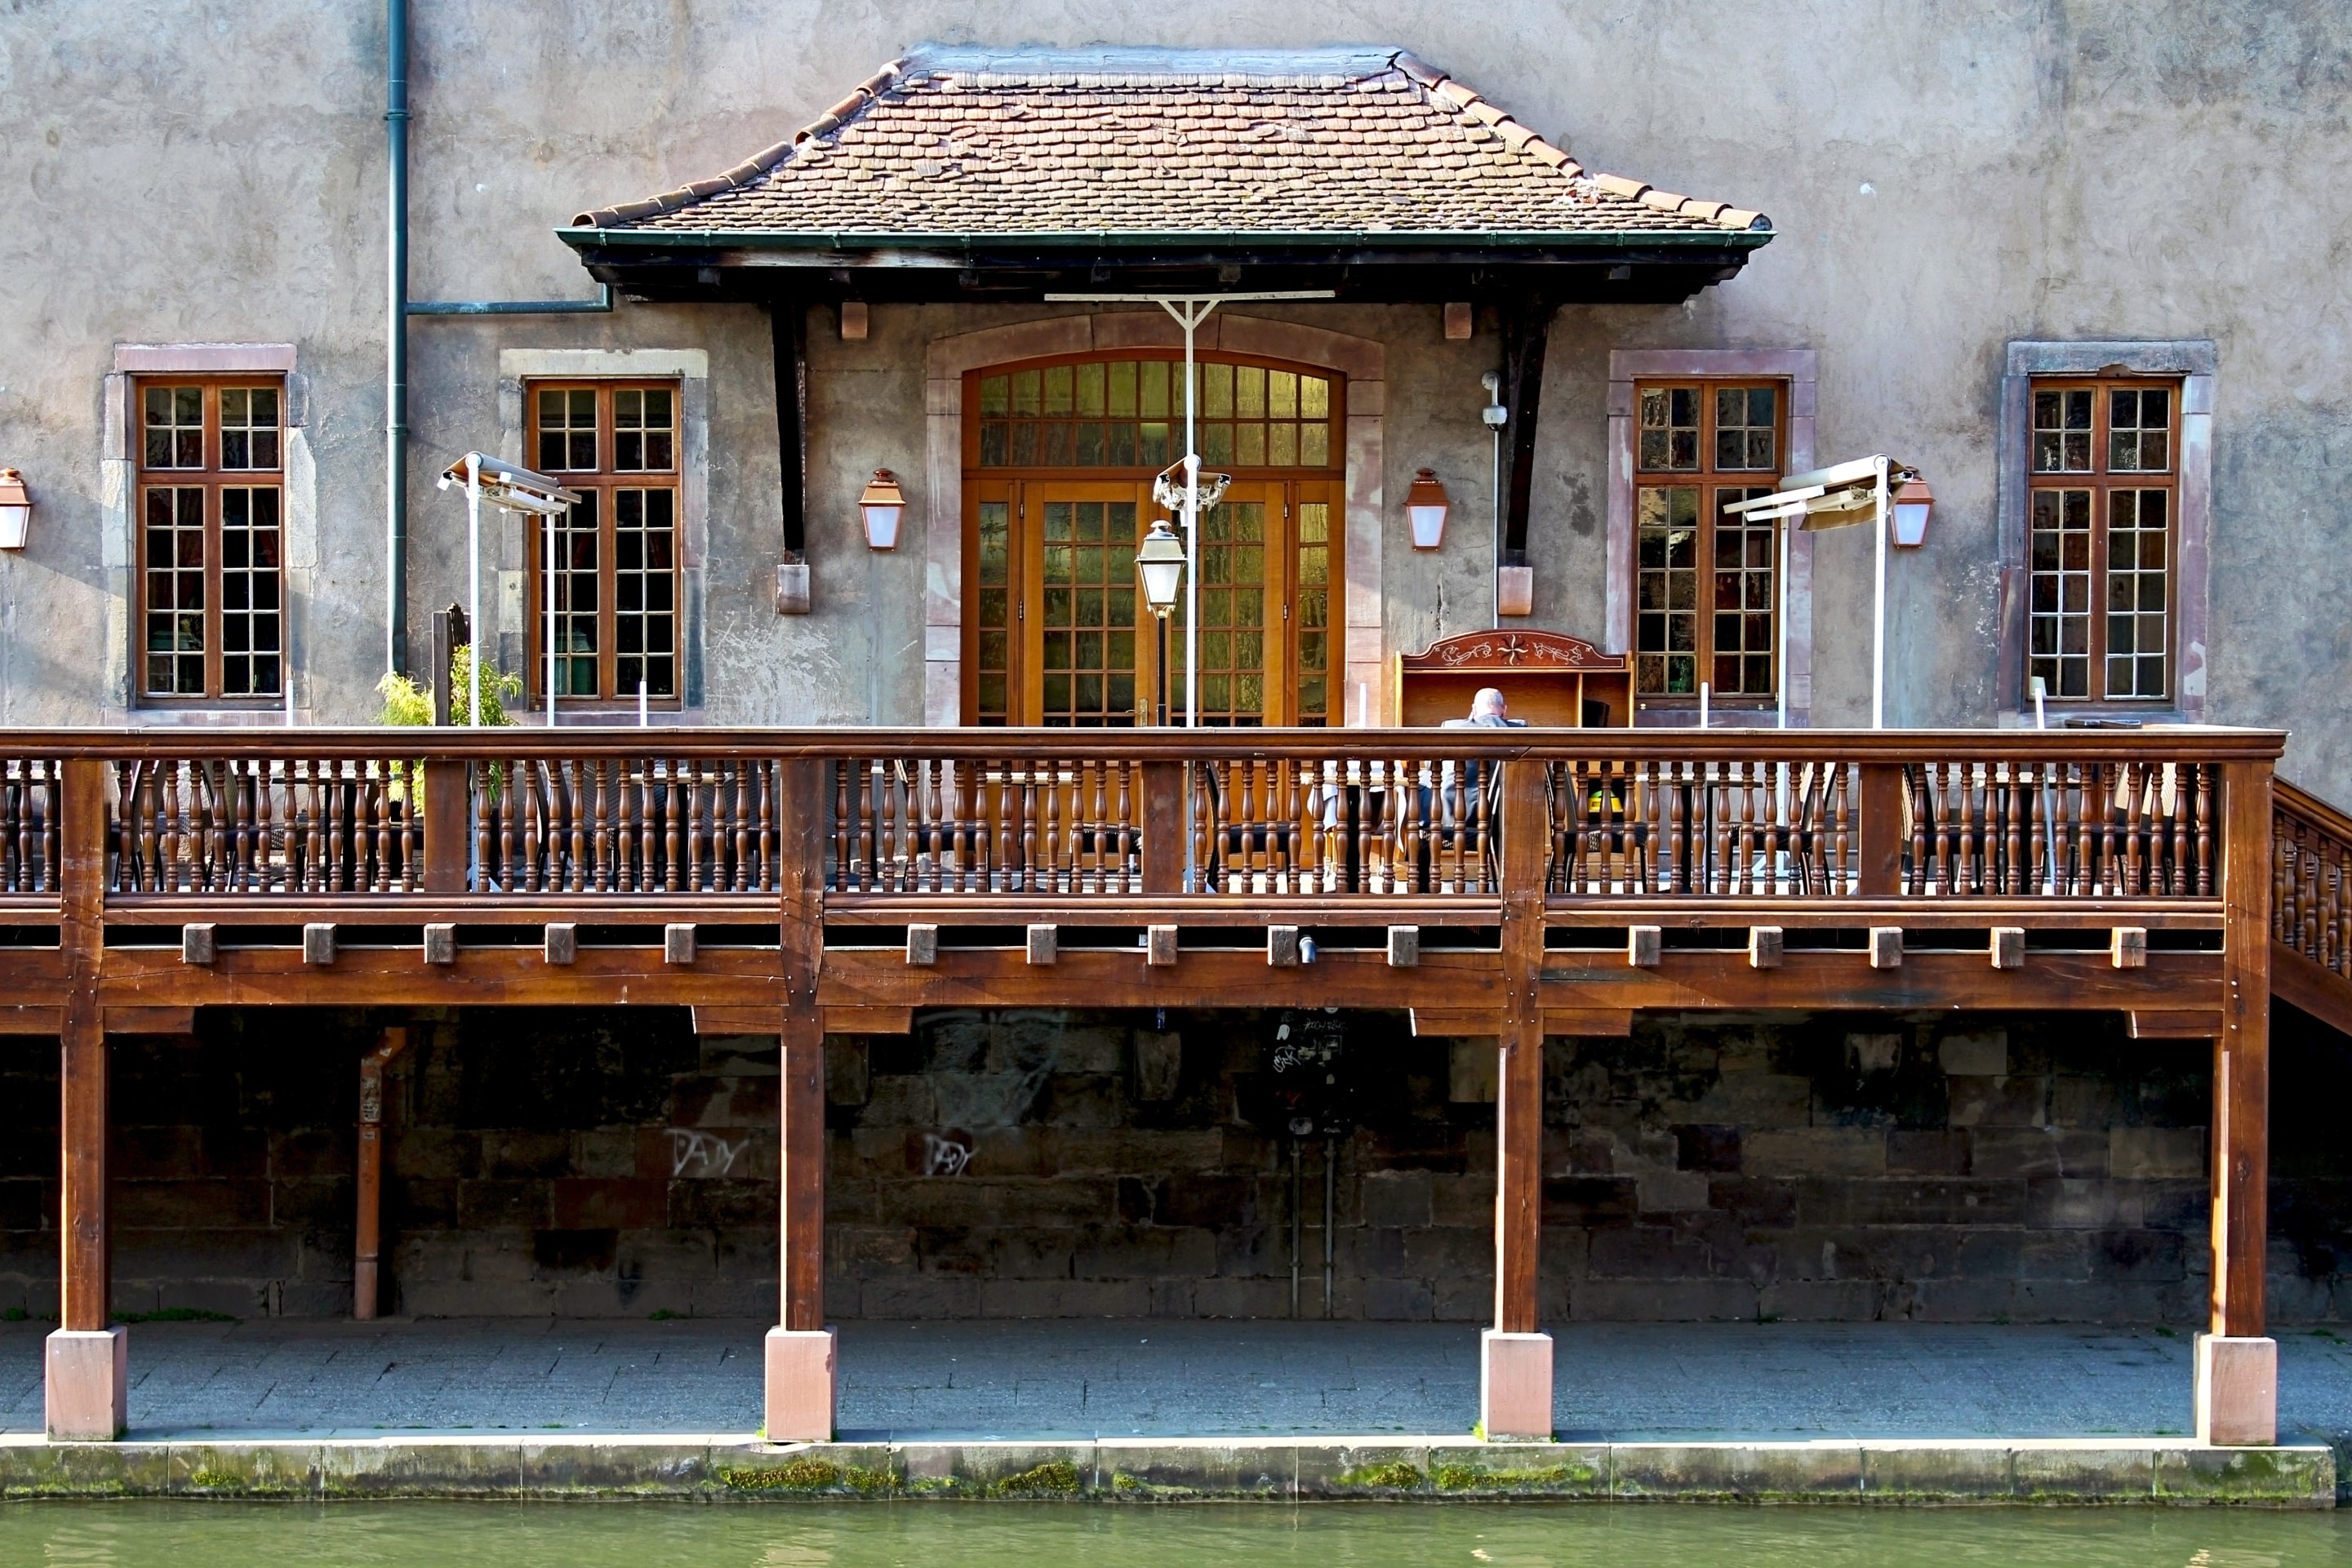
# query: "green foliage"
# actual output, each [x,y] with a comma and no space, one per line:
[406,703]
[175,1316]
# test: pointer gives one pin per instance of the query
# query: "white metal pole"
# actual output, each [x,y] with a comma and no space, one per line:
[1191,529]
[473,590]
[644,719]
[1787,528]
[548,528]
[1497,493]
[1878,611]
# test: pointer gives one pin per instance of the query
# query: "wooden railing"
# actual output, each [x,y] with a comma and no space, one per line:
[379,820]
[2311,859]
[1963,823]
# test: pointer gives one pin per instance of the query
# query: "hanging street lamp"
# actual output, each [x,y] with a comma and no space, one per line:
[1160,562]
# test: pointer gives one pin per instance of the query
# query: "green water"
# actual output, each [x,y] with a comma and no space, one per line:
[997,1535]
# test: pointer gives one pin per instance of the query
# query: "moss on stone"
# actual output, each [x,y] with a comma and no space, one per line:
[807,1473]
[1055,1477]
[1479,1478]
[1396,1475]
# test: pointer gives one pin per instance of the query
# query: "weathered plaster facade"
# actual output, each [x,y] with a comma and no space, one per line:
[2041,173]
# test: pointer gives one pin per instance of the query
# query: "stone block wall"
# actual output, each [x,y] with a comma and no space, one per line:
[1047,1164]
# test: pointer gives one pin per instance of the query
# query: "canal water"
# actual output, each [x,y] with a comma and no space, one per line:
[1000,1535]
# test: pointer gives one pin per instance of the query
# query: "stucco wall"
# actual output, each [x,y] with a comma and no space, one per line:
[1995,171]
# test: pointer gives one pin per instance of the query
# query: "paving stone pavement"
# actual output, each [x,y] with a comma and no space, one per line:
[1116,1378]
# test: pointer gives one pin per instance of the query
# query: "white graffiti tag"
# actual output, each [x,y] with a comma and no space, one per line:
[715,1155]
[944,1156]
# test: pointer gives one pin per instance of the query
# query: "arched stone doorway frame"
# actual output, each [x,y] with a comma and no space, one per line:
[1362,360]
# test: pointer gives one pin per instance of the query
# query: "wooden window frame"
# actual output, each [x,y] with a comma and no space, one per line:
[2101,481]
[1712,482]
[2194,364]
[604,482]
[213,480]
[1335,465]
[1284,491]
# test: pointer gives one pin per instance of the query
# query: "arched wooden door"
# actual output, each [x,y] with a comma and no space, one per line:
[1057,495]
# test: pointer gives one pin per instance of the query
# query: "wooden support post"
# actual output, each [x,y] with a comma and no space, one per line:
[2237,1364]
[1880,870]
[368,1245]
[801,1349]
[87,1361]
[448,826]
[1163,827]
[1515,1363]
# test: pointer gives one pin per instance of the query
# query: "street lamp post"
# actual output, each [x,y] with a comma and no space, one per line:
[1834,497]
[1161,564]
[518,489]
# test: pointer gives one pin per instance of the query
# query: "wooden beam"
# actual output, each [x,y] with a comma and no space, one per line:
[2241,1157]
[150,1020]
[1453,1025]
[788,341]
[869,1021]
[1526,331]
[86,1265]
[1590,1023]
[1710,980]
[1518,1102]
[367,1246]
[801,1099]
[2180,1023]
[2311,987]
[734,1021]
[33,1021]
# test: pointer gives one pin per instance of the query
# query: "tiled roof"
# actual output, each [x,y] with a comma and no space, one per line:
[1006,142]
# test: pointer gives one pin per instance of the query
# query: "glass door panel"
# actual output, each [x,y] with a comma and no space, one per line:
[1233,595]
[1087,610]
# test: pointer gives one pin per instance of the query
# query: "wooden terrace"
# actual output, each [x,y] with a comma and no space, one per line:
[1509,883]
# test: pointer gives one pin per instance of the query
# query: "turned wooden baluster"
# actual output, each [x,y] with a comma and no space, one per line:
[2204,772]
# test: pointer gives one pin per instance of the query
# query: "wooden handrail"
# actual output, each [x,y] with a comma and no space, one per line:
[2311,872]
[1156,744]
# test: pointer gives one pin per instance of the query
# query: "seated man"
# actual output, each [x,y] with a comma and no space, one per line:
[1487,711]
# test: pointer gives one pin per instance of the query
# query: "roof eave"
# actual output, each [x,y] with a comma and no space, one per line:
[837,243]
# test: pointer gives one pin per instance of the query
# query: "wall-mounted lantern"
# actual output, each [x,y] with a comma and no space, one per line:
[1912,502]
[15,510]
[1424,508]
[881,504]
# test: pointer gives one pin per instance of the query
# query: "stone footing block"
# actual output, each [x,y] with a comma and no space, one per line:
[1515,1387]
[88,1384]
[2237,1391]
[800,1385]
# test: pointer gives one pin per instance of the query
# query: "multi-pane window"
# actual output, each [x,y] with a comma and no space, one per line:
[1059,461]
[2100,539]
[212,615]
[1706,583]
[1129,414]
[615,555]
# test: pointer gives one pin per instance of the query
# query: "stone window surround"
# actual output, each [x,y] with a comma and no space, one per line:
[2194,361]
[690,368]
[1363,362]
[118,502]
[1800,368]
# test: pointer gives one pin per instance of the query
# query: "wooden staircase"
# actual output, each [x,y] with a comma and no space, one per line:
[2311,905]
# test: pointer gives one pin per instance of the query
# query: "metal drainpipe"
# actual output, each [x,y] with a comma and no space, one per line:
[395,346]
